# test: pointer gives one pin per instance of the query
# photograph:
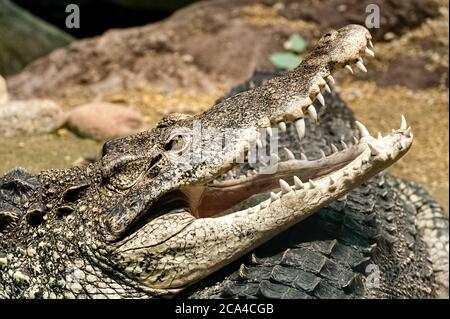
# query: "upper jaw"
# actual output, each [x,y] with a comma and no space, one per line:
[315,75]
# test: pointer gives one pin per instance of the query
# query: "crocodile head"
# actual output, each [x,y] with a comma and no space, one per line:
[165,208]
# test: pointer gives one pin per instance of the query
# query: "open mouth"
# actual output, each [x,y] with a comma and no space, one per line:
[232,191]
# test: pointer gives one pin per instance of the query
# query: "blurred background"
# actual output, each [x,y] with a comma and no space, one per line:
[63,91]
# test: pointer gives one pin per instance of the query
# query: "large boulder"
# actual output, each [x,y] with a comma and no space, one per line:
[104,121]
[30,117]
[209,43]
[24,38]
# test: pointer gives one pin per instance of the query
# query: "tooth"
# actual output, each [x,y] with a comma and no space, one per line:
[370,52]
[312,112]
[269,131]
[343,144]
[334,148]
[322,154]
[298,183]
[300,127]
[248,210]
[380,136]
[349,68]
[288,153]
[321,99]
[285,188]
[362,129]
[408,132]
[321,82]
[404,125]
[242,177]
[230,174]
[331,79]
[282,126]
[361,66]
[373,150]
[274,196]
[327,88]
[274,158]
[355,140]
[345,173]
[303,157]
[331,181]
[259,143]
[313,185]
[370,43]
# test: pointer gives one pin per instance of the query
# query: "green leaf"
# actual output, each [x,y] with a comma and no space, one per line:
[297,43]
[285,60]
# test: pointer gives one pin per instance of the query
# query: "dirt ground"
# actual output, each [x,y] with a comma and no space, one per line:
[420,91]
[409,75]
[379,109]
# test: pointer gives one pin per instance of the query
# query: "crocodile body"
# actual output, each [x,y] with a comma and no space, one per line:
[141,222]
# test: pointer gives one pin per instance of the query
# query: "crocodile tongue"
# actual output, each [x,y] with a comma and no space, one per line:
[214,199]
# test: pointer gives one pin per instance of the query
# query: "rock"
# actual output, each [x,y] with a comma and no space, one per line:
[30,117]
[25,37]
[3,91]
[103,121]
[202,46]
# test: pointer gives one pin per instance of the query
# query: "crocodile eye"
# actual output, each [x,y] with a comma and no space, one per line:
[178,142]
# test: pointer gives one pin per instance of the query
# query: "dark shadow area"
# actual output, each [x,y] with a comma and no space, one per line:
[97,16]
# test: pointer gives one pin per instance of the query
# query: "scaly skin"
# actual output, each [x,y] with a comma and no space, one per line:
[386,224]
[136,223]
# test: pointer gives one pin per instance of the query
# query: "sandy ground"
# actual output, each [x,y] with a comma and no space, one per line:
[49,151]
[423,98]
[379,108]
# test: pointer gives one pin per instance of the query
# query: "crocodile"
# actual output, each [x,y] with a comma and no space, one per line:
[205,206]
